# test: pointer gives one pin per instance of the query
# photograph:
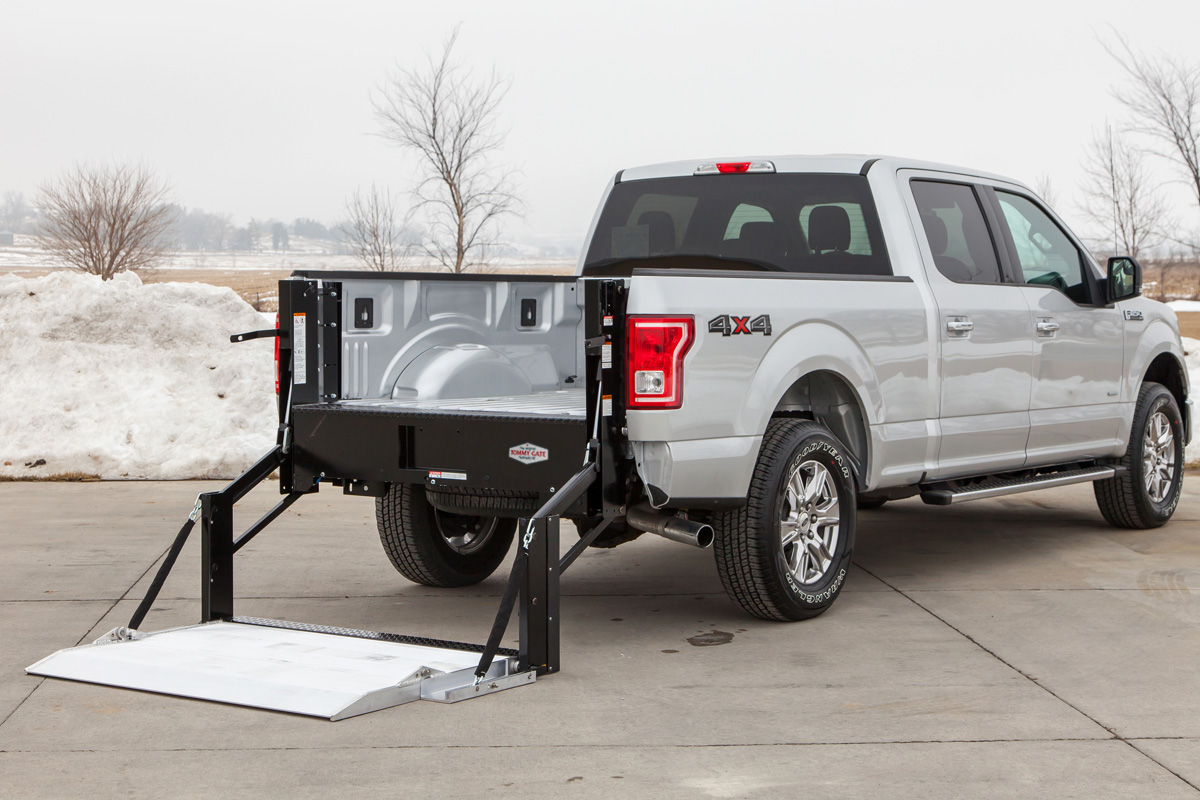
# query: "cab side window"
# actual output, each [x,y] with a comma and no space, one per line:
[1044,253]
[957,232]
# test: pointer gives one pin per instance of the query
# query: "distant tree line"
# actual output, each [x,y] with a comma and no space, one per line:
[195,229]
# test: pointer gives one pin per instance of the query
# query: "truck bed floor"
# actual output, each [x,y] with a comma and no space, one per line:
[568,403]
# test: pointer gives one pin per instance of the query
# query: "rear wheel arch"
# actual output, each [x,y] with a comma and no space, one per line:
[829,399]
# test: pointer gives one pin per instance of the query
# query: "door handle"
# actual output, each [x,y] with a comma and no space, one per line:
[959,326]
[1046,326]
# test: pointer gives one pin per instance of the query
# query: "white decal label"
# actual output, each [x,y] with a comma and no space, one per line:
[606,355]
[528,453]
[299,349]
[606,405]
[447,476]
[608,320]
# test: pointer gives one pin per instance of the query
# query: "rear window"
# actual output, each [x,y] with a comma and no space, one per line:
[809,223]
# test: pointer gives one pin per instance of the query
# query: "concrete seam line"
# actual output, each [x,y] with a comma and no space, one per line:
[726,745]
[1026,676]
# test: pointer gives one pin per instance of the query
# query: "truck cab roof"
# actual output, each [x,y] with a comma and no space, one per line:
[828,163]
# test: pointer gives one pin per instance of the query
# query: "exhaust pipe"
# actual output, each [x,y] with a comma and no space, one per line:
[677,529]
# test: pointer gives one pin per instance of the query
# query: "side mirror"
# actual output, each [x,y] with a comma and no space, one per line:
[1124,278]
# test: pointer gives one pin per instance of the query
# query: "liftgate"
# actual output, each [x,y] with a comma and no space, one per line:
[335,672]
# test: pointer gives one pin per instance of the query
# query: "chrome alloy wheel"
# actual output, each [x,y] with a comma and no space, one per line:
[1158,457]
[465,534]
[809,524]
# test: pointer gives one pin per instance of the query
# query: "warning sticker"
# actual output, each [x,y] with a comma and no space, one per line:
[299,349]
[608,320]
[447,476]
[606,405]
[606,355]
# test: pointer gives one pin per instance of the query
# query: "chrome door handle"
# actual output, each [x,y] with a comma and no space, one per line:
[1046,326]
[959,326]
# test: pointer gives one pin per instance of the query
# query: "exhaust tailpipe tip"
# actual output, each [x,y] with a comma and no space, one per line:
[677,529]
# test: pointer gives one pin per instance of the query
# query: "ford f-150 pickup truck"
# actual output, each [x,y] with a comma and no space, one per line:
[751,351]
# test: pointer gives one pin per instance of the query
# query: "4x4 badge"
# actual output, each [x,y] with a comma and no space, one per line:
[528,453]
[729,324]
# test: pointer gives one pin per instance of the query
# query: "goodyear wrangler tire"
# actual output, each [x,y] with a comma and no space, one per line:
[437,548]
[786,554]
[1147,494]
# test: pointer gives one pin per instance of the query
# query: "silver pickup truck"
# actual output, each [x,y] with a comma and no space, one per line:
[751,351]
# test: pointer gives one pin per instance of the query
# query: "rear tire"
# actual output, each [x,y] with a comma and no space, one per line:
[437,548]
[1146,496]
[786,554]
[482,502]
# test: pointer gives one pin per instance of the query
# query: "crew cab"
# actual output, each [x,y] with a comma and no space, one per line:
[751,350]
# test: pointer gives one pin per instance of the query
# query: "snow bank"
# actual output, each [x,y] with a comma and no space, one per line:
[1192,349]
[123,380]
[1185,305]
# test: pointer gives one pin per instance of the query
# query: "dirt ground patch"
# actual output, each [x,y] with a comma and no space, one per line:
[1189,324]
[259,288]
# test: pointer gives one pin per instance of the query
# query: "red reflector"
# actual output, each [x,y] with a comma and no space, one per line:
[733,166]
[654,365]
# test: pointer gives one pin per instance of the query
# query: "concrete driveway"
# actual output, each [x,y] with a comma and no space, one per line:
[1012,647]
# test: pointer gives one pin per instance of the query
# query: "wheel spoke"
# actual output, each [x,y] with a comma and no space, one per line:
[816,486]
[796,488]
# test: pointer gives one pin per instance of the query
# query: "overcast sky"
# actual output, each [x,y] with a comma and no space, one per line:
[263,109]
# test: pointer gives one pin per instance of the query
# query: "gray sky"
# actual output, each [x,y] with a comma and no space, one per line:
[263,108]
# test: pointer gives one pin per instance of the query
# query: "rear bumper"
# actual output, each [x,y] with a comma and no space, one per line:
[698,473]
[370,447]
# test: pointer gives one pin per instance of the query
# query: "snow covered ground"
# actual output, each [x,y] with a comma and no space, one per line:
[1192,348]
[129,381]
[125,380]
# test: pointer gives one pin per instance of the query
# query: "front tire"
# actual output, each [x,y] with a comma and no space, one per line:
[1147,494]
[786,554]
[437,548]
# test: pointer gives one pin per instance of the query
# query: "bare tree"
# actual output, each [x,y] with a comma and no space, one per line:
[1119,194]
[370,229]
[1045,190]
[450,119]
[1163,94]
[105,219]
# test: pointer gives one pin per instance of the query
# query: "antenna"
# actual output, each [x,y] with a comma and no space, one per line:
[1112,176]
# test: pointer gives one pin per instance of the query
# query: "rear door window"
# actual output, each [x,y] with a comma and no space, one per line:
[957,231]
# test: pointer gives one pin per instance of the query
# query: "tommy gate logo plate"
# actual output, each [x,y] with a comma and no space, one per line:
[528,453]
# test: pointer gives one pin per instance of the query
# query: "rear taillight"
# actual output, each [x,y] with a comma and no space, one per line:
[654,365]
[276,356]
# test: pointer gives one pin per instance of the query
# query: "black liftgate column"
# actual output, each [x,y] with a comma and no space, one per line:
[216,557]
[539,598]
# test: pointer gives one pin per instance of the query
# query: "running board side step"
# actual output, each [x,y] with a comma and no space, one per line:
[942,495]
